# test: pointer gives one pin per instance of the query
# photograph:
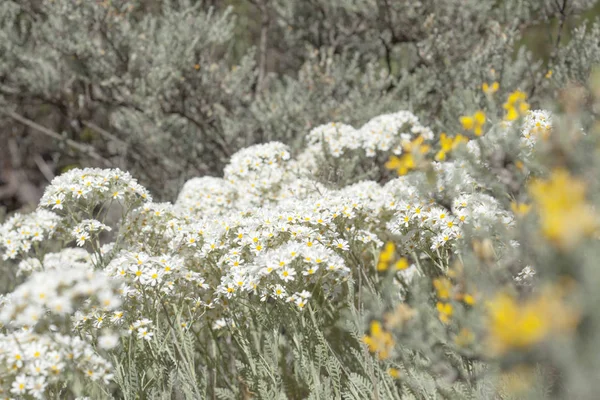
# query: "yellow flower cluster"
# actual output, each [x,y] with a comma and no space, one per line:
[445,311]
[379,341]
[565,216]
[515,325]
[520,209]
[490,89]
[516,105]
[407,161]
[386,257]
[449,143]
[445,291]
[394,373]
[474,122]
[443,288]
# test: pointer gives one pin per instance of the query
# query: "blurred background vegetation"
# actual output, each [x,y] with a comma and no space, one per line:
[169,89]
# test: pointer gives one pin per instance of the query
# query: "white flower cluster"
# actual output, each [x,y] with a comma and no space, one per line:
[453,179]
[206,196]
[142,329]
[31,362]
[423,224]
[57,292]
[256,172]
[282,250]
[86,229]
[525,276]
[384,133]
[23,231]
[537,124]
[162,273]
[154,223]
[82,189]
[73,257]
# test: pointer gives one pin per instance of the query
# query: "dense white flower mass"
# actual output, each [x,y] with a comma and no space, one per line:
[73,257]
[268,231]
[537,124]
[21,232]
[85,188]
[57,292]
[257,171]
[206,195]
[31,362]
[384,133]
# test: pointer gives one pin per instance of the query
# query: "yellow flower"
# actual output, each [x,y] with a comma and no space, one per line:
[416,146]
[386,256]
[401,164]
[516,105]
[443,287]
[520,209]
[444,311]
[519,164]
[379,341]
[520,325]
[549,74]
[490,89]
[511,114]
[565,216]
[479,118]
[467,122]
[407,161]
[515,326]
[394,372]
[474,122]
[468,299]
[401,264]
[447,144]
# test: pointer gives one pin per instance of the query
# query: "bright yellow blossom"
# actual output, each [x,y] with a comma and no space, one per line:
[401,164]
[468,299]
[416,146]
[444,311]
[516,105]
[565,216]
[520,325]
[490,89]
[379,341]
[401,264]
[474,122]
[449,143]
[443,287]
[394,373]
[386,256]
[520,209]
[407,161]
[515,326]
